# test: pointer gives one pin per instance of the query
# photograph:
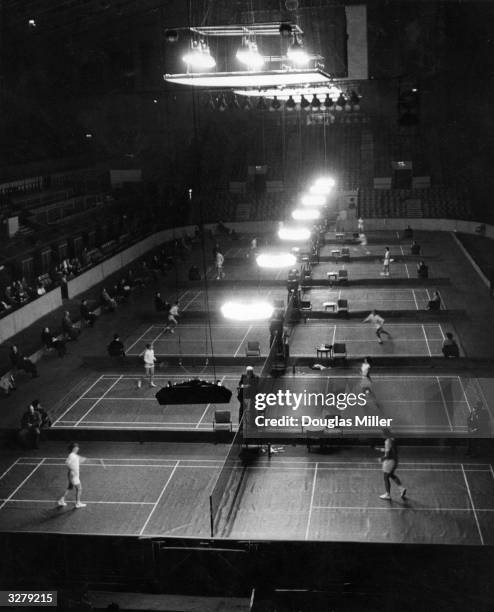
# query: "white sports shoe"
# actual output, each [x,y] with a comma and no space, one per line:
[61,502]
[152,385]
[80,505]
[385,496]
[139,384]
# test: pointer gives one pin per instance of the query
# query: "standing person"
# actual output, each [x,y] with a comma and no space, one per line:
[173,316]
[87,315]
[378,322]
[366,381]
[149,361]
[220,260]
[389,462]
[31,425]
[73,462]
[360,225]
[116,347]
[246,390]
[386,262]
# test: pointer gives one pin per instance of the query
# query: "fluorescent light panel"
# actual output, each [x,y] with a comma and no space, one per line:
[262,79]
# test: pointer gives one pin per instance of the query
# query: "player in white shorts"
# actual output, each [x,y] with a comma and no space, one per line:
[73,462]
[378,323]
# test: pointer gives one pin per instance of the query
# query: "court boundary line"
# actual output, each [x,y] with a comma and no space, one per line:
[444,403]
[426,340]
[314,479]
[11,466]
[79,398]
[403,507]
[465,395]
[415,299]
[138,339]
[159,498]
[242,341]
[473,506]
[198,424]
[96,403]
[38,465]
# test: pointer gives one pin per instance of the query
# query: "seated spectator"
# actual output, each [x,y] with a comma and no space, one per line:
[158,302]
[31,426]
[87,315]
[450,347]
[22,363]
[45,418]
[422,270]
[415,248]
[40,289]
[69,330]
[7,383]
[124,289]
[116,347]
[4,307]
[435,302]
[85,258]
[50,341]
[194,274]
[9,296]
[107,301]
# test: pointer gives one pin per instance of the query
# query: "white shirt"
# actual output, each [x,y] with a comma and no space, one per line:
[219,259]
[364,368]
[387,257]
[149,357]
[73,462]
[375,319]
[174,310]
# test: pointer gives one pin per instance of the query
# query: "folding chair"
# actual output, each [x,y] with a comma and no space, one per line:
[222,420]
[339,351]
[343,276]
[342,306]
[253,349]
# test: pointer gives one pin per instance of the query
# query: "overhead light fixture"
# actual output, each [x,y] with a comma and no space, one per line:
[304,103]
[294,234]
[261,104]
[328,102]
[313,200]
[297,54]
[315,103]
[290,104]
[305,214]
[249,55]
[322,186]
[199,57]
[276,260]
[325,181]
[247,311]
[31,23]
[275,104]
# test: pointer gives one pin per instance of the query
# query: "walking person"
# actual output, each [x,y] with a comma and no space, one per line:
[366,381]
[389,462]
[386,261]
[220,260]
[172,318]
[149,361]
[73,462]
[378,322]
[360,225]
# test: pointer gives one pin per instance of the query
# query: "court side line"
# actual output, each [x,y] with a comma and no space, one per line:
[415,299]
[400,507]
[139,339]
[50,501]
[334,335]
[473,507]
[96,403]
[486,403]
[444,403]
[159,498]
[311,502]
[79,397]
[464,394]
[426,341]
[192,300]
[408,273]
[206,410]
[242,341]
[22,483]
[9,468]
[154,340]
[441,330]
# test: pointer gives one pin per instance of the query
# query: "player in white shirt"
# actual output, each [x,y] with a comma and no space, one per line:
[220,260]
[378,322]
[366,382]
[149,361]
[172,319]
[73,462]
[360,225]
